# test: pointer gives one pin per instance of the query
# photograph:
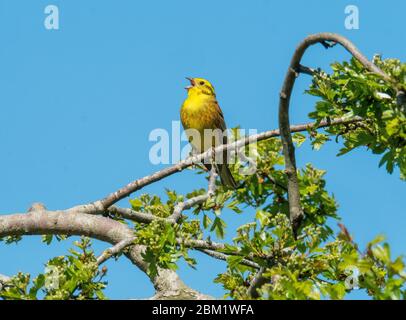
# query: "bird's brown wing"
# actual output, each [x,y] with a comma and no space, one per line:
[219,119]
[222,168]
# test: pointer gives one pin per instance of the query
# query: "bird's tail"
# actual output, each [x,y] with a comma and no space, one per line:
[226,177]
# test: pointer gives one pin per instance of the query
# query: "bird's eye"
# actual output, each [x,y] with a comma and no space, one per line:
[201,83]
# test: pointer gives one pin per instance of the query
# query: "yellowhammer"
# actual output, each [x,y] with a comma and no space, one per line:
[204,123]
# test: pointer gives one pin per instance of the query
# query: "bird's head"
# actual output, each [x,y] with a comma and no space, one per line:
[200,86]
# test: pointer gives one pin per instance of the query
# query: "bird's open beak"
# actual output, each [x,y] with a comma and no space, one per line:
[192,83]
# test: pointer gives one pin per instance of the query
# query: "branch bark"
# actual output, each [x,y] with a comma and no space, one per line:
[256,283]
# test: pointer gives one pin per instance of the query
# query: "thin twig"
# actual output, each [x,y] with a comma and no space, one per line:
[212,247]
[141,217]
[201,244]
[181,206]
[306,70]
[133,215]
[223,256]
[119,247]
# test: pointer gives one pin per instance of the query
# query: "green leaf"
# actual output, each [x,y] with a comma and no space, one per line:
[218,226]
[263,217]
[234,261]
[206,221]
[298,138]
[136,204]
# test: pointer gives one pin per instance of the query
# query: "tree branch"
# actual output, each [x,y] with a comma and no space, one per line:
[130,214]
[180,207]
[223,256]
[305,70]
[119,247]
[142,217]
[201,244]
[295,210]
[73,222]
[102,205]
[213,249]
[256,283]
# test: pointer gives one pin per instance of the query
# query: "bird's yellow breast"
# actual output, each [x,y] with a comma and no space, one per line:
[199,112]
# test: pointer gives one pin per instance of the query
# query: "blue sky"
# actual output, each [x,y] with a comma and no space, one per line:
[77,105]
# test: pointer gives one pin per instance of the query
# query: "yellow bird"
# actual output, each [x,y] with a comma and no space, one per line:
[204,123]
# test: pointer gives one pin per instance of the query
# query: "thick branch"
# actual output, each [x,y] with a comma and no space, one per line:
[295,210]
[73,222]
